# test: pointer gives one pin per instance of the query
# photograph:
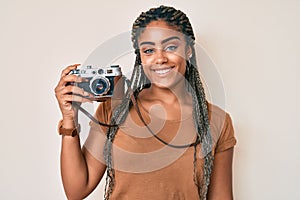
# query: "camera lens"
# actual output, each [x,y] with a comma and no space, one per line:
[100,86]
[100,71]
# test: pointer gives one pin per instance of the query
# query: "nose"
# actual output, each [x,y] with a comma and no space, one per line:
[161,58]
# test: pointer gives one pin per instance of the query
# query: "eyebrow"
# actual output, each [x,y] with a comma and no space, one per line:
[164,41]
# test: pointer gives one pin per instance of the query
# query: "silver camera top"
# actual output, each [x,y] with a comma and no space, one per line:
[89,71]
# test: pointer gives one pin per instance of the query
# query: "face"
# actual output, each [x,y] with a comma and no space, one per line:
[163,53]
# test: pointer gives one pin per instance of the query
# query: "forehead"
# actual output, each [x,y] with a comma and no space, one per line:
[156,31]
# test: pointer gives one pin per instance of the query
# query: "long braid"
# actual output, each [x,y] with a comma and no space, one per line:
[200,115]
[139,81]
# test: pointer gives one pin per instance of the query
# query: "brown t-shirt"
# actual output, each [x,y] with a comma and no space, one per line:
[144,167]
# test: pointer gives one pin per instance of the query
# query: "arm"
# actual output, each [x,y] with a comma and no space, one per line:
[80,171]
[220,187]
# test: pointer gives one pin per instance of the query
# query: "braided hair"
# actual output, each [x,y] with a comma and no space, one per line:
[139,81]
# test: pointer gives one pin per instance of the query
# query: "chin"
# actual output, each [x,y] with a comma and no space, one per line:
[167,84]
[161,85]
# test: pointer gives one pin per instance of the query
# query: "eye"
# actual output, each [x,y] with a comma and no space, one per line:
[148,51]
[171,48]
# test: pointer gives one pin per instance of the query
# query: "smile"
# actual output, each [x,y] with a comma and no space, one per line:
[163,71]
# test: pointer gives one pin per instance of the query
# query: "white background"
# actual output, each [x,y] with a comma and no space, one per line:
[254,43]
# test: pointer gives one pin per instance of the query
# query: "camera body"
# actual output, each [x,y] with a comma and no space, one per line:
[101,81]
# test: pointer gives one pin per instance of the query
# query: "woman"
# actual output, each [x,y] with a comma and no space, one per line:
[170,143]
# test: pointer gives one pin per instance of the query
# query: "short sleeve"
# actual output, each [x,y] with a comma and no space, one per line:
[227,138]
[221,129]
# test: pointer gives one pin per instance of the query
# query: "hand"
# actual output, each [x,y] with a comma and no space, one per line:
[68,95]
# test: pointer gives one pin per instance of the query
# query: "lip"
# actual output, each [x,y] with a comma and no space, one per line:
[163,71]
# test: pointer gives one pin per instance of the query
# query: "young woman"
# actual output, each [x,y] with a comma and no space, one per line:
[170,143]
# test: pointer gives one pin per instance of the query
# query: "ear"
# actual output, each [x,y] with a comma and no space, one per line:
[188,52]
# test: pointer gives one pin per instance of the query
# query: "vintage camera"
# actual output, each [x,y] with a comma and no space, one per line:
[102,81]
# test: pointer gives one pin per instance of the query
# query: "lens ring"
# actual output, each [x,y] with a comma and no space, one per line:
[100,85]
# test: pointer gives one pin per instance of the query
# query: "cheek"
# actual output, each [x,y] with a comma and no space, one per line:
[147,60]
[176,58]
[179,61]
[171,58]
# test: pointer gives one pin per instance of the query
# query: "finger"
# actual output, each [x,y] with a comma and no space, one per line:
[70,89]
[68,69]
[69,79]
[73,78]
[87,100]
[64,73]
[75,98]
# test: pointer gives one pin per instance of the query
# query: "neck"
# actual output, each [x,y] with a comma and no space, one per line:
[164,95]
[175,103]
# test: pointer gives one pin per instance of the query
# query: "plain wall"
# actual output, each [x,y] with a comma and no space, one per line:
[255,45]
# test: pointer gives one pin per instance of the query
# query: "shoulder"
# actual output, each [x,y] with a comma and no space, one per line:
[217,116]
[221,128]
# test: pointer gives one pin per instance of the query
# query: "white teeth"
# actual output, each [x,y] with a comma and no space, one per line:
[162,71]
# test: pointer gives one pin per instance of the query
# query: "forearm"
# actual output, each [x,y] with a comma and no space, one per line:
[74,169]
[220,187]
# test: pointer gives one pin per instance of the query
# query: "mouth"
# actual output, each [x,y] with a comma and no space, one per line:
[163,71]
